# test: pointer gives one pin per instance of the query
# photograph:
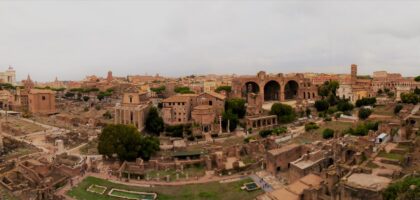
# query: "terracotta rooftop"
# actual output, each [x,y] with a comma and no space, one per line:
[217,95]
[179,98]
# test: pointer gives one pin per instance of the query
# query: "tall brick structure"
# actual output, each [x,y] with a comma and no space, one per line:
[277,87]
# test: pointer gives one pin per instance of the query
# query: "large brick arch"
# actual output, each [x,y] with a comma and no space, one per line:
[272,90]
[250,86]
[291,89]
[239,88]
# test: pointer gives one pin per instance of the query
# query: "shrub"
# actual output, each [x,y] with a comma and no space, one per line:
[366,102]
[337,115]
[327,119]
[332,110]
[344,106]
[398,108]
[372,125]
[328,133]
[279,130]
[265,133]
[311,126]
[364,113]
[321,105]
[403,189]
[175,131]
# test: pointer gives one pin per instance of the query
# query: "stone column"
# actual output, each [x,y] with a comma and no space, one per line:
[220,124]
[228,126]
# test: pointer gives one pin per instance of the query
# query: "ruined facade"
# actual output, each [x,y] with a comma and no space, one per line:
[355,89]
[132,110]
[277,87]
[41,101]
[8,76]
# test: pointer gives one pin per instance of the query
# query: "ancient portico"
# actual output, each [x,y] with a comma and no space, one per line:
[277,87]
[261,122]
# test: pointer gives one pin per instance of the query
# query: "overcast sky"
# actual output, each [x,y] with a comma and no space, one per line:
[72,39]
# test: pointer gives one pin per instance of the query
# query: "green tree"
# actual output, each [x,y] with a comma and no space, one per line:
[417,91]
[183,90]
[417,78]
[344,105]
[154,123]
[366,101]
[328,88]
[126,142]
[149,145]
[285,113]
[237,106]
[225,88]
[233,120]
[409,98]
[364,113]
[321,105]
[158,90]
[69,94]
[327,133]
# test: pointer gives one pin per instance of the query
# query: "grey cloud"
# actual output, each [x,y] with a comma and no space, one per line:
[71,39]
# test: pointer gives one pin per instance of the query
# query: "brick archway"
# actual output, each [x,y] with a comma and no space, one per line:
[250,86]
[291,90]
[272,91]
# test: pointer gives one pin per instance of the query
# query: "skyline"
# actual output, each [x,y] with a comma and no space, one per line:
[47,39]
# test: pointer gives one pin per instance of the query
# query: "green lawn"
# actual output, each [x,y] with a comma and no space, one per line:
[334,125]
[208,191]
[384,110]
[97,189]
[393,156]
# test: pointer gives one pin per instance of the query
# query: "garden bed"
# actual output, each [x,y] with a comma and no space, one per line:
[97,189]
[125,194]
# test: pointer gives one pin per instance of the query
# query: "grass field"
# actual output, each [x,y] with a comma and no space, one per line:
[24,126]
[208,191]
[384,110]
[393,156]
[334,125]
